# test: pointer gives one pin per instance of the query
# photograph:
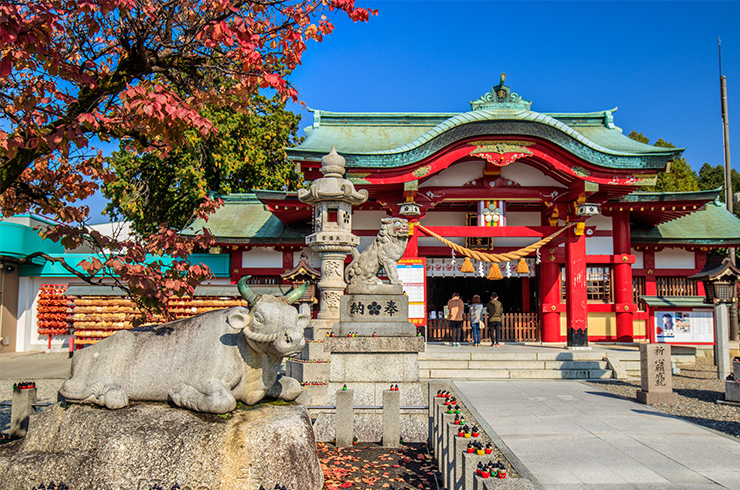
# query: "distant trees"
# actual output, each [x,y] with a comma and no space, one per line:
[681,178]
[245,152]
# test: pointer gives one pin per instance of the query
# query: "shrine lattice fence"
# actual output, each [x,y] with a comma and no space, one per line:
[515,327]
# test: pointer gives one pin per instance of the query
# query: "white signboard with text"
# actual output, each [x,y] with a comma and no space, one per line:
[412,273]
[684,327]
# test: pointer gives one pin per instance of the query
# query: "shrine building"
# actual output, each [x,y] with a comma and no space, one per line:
[496,180]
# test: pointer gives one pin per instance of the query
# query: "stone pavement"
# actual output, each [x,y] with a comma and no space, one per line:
[33,366]
[568,434]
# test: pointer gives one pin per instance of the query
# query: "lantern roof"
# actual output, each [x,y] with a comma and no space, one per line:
[717,268]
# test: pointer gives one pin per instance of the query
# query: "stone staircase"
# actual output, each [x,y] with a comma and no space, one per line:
[587,364]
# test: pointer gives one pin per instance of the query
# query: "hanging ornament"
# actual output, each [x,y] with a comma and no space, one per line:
[508,270]
[494,273]
[453,263]
[539,257]
[521,267]
[453,257]
[467,266]
[480,269]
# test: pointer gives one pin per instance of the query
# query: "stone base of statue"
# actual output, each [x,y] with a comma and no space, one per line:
[311,368]
[380,314]
[368,366]
[145,445]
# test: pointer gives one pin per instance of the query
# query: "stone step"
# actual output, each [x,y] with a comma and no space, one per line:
[313,395]
[307,371]
[511,364]
[524,356]
[515,373]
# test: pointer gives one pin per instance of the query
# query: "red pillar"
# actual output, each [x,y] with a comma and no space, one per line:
[412,246]
[236,264]
[623,299]
[550,291]
[575,287]
[648,261]
[287,259]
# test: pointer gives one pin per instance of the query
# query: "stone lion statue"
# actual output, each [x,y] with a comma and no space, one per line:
[383,253]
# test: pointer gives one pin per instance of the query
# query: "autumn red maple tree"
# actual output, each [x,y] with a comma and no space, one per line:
[75,73]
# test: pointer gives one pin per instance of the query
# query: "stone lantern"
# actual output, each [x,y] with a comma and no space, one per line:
[332,197]
[720,284]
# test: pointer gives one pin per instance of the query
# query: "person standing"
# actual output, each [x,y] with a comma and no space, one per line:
[455,306]
[476,315]
[495,310]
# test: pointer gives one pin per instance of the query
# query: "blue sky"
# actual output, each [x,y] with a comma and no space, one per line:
[656,61]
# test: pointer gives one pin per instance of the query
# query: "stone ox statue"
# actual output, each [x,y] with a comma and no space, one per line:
[205,363]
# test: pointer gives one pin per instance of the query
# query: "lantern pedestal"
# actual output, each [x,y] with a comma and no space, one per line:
[722,339]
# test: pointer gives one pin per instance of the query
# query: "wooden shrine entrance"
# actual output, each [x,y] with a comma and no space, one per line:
[517,325]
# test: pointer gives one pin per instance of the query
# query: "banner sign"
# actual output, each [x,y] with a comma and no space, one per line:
[684,327]
[412,273]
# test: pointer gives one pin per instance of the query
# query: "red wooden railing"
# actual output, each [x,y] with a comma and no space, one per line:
[515,327]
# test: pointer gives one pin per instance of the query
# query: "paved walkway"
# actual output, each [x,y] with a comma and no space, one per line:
[569,434]
[17,366]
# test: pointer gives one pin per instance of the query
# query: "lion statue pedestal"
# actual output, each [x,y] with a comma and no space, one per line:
[374,315]
[374,344]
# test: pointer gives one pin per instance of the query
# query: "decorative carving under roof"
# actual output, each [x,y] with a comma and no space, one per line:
[501,97]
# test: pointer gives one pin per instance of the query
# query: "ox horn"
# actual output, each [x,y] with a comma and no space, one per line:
[244,290]
[294,295]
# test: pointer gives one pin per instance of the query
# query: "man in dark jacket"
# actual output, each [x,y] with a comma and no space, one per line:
[495,310]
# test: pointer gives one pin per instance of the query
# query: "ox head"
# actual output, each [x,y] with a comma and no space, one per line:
[272,325]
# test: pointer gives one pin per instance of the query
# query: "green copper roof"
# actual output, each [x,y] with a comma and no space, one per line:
[674,301]
[388,140]
[713,225]
[244,219]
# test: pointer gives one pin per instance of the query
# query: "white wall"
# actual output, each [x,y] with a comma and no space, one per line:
[599,246]
[600,222]
[445,219]
[639,259]
[262,258]
[674,258]
[523,219]
[528,176]
[457,175]
[367,220]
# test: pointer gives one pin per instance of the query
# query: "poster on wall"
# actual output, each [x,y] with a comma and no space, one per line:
[684,327]
[411,272]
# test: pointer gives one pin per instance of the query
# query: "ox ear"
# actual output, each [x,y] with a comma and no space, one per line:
[302,322]
[238,320]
